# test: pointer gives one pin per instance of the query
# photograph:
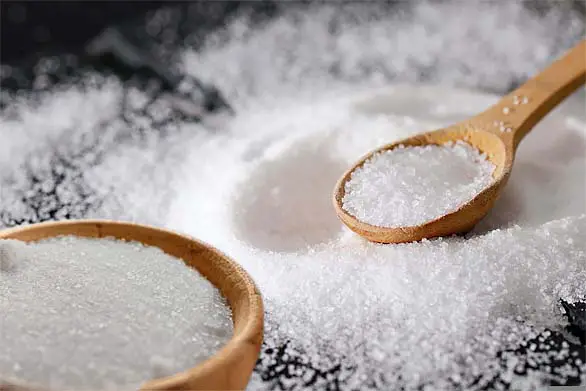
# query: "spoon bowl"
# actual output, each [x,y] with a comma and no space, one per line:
[459,221]
[496,132]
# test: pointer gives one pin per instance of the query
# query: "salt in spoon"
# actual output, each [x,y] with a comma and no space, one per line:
[496,132]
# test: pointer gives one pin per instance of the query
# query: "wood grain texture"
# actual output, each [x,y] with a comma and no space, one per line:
[517,112]
[231,367]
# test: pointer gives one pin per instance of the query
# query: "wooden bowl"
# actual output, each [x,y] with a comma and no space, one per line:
[230,368]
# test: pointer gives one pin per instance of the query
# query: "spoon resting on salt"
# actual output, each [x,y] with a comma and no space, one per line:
[496,133]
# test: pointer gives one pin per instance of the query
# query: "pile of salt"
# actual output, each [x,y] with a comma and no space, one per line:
[103,314]
[423,313]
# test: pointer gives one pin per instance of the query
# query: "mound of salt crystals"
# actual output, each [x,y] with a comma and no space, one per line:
[433,313]
[103,314]
[409,186]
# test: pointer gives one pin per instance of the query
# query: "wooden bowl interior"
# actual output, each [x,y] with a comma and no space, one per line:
[231,367]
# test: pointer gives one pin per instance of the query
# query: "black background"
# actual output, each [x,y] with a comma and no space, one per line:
[31,27]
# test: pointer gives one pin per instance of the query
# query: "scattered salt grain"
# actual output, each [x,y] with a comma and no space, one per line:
[409,186]
[104,314]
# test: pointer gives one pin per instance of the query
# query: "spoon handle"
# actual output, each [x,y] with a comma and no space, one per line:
[518,112]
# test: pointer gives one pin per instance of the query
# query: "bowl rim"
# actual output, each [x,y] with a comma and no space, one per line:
[248,335]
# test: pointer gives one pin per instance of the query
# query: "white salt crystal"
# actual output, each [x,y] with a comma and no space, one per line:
[409,186]
[105,314]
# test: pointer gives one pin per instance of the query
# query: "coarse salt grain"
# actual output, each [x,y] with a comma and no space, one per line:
[409,186]
[104,314]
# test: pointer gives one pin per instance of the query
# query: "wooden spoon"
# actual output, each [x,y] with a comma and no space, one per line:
[497,132]
[228,369]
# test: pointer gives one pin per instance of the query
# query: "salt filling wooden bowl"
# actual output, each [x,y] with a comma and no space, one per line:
[230,367]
